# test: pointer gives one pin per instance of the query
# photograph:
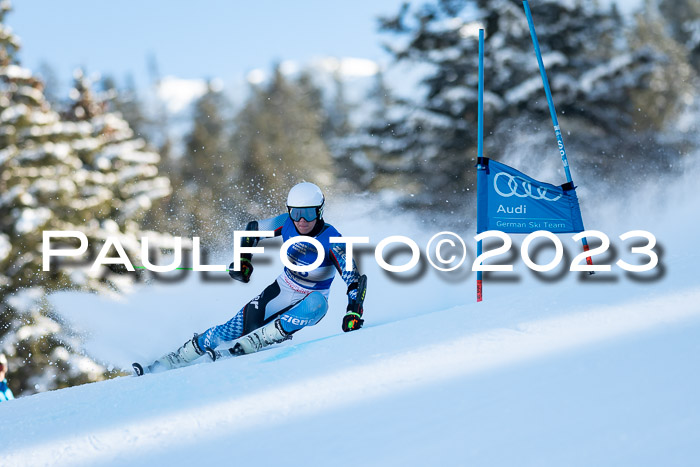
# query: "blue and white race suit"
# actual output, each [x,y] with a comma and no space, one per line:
[299,298]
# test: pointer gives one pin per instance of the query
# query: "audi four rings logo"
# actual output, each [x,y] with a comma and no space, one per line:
[514,183]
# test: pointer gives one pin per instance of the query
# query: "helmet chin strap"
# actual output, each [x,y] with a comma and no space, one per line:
[315,231]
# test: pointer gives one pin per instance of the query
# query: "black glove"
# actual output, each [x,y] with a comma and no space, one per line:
[352,321]
[246,270]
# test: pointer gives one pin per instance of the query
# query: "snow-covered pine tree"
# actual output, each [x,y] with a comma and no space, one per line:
[125,100]
[206,170]
[683,20]
[593,75]
[337,116]
[45,185]
[123,180]
[277,137]
[39,180]
[367,163]
[672,102]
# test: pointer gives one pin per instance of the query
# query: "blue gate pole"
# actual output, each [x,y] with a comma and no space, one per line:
[552,111]
[480,150]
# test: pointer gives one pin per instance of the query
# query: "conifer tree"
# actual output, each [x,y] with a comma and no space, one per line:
[57,175]
[119,164]
[358,157]
[593,73]
[278,142]
[671,102]
[683,20]
[207,169]
[338,116]
[126,102]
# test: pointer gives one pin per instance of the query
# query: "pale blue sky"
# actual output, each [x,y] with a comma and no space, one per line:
[224,39]
[214,38]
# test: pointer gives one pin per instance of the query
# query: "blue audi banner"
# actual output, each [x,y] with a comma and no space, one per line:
[512,202]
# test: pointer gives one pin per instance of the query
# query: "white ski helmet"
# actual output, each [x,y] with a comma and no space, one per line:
[305,200]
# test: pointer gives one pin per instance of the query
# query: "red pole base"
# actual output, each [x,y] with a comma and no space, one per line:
[589,260]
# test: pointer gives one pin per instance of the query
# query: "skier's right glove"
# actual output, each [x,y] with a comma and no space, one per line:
[352,321]
[246,270]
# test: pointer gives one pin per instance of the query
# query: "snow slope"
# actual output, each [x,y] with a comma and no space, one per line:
[557,370]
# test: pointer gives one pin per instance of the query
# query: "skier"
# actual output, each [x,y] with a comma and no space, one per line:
[5,391]
[294,300]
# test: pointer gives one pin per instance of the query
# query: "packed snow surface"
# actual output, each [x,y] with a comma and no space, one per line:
[558,369]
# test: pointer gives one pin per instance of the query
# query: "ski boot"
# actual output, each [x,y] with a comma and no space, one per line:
[183,356]
[271,333]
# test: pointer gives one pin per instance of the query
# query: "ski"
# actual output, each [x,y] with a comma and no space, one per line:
[260,338]
[156,367]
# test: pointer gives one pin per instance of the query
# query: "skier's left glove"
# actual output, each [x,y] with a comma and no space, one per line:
[246,270]
[352,321]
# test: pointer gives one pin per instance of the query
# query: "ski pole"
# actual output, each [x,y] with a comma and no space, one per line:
[480,151]
[552,111]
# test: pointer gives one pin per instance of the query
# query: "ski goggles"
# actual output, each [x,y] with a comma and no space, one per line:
[309,214]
